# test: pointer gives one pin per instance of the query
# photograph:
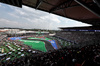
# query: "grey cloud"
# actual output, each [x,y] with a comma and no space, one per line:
[31,18]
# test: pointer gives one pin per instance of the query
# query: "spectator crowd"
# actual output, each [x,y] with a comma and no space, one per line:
[88,55]
[85,56]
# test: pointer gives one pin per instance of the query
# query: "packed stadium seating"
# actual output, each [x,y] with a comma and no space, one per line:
[86,56]
[11,50]
[2,36]
[82,38]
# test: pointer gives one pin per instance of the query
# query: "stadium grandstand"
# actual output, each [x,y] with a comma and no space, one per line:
[70,46]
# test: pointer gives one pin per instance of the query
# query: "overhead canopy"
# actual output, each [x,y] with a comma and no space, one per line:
[17,3]
[67,8]
[87,11]
[84,28]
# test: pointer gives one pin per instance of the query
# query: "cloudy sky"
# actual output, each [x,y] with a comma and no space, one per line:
[30,18]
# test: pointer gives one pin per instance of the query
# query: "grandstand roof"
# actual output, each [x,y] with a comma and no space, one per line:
[67,8]
[85,28]
[86,11]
